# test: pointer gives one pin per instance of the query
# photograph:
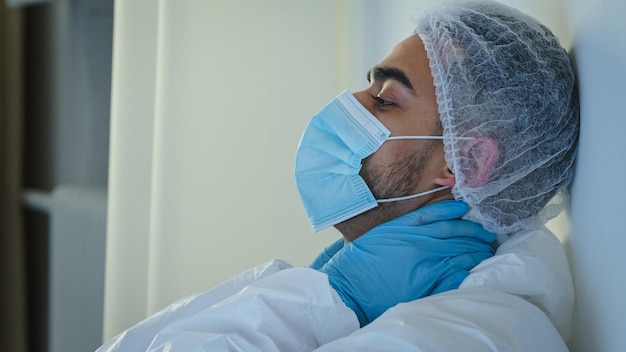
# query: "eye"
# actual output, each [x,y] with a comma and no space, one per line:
[382,103]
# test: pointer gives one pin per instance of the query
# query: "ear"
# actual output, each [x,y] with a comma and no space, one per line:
[481,155]
[448,179]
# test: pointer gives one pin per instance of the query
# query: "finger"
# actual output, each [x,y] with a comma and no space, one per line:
[459,268]
[448,229]
[450,282]
[326,254]
[467,261]
[335,247]
[444,210]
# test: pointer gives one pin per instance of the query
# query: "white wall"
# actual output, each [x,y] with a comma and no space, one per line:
[236,81]
[595,33]
[209,101]
[598,238]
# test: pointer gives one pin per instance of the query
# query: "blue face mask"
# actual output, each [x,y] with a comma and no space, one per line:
[328,161]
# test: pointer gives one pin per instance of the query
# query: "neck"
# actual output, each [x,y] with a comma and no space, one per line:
[353,228]
[357,226]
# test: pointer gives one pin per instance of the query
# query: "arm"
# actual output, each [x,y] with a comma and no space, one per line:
[290,309]
[294,309]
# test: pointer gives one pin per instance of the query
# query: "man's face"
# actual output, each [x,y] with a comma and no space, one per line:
[402,96]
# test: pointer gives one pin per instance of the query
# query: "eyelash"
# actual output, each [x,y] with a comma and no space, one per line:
[382,103]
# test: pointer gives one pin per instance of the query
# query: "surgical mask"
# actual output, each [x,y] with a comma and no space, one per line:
[328,161]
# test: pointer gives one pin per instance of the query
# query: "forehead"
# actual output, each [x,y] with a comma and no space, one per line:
[410,56]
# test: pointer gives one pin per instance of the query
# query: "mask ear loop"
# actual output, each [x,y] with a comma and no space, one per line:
[428,137]
[397,199]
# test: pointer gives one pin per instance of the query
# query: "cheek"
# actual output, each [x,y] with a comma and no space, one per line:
[389,153]
[437,161]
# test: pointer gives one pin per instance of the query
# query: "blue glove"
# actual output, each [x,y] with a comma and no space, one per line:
[326,254]
[418,254]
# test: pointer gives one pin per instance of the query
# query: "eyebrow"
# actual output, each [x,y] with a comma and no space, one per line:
[383,73]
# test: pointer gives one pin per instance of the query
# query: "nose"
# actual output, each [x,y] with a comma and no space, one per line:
[362,96]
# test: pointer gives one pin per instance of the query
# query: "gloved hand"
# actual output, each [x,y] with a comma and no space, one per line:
[326,254]
[418,254]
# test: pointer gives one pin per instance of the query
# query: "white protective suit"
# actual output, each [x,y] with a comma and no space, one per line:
[521,299]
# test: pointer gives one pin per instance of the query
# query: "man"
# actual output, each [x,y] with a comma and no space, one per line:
[479,106]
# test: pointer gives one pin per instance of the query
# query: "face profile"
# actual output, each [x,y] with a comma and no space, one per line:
[401,95]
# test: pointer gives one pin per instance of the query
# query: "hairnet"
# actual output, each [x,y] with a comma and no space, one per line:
[500,74]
